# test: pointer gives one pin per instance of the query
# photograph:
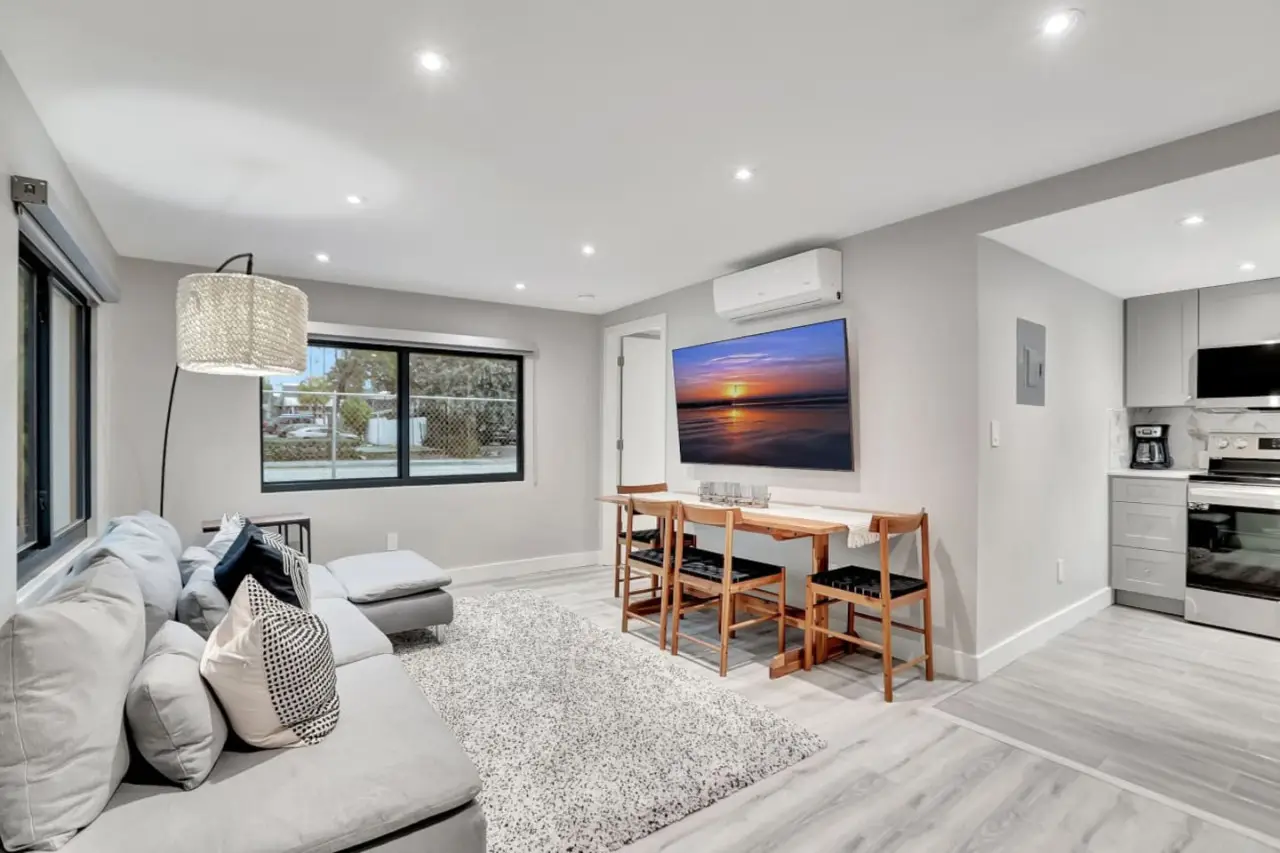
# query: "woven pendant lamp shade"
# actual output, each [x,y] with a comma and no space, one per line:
[244,325]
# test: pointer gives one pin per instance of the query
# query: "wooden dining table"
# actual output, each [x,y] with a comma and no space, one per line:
[784,522]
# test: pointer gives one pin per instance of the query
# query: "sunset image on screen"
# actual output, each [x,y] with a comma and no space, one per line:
[779,399]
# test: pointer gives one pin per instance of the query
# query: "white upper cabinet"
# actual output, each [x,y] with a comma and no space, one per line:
[1161,334]
[1236,314]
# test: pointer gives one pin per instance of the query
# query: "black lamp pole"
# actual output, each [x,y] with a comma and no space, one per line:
[164,454]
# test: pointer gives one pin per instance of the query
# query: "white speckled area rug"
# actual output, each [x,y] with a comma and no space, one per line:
[585,740]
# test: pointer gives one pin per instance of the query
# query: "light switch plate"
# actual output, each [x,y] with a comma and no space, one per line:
[995,433]
[393,541]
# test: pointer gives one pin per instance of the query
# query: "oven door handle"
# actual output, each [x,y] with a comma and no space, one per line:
[1235,497]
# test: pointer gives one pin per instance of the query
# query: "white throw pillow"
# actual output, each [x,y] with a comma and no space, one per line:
[227,533]
[271,666]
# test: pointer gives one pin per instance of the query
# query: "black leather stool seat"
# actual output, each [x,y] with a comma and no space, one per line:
[710,566]
[866,582]
[652,556]
[653,540]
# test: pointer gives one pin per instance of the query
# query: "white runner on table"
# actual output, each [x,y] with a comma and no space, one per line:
[858,521]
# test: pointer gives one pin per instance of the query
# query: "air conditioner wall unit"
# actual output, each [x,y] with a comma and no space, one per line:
[796,283]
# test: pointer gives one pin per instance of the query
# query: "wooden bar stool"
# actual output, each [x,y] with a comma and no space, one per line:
[654,562]
[876,590]
[723,578]
[647,538]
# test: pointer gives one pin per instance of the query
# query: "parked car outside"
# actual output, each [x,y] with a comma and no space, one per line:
[317,432]
[281,424]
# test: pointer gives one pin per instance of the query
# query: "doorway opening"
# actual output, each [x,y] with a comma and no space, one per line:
[634,445]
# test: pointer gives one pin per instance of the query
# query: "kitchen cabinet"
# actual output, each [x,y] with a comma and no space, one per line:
[1154,527]
[1149,542]
[1236,314]
[1161,334]
[1156,573]
[1149,490]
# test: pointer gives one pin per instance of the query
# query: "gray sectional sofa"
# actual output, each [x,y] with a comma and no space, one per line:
[391,777]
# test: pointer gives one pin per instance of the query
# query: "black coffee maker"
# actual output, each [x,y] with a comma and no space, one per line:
[1150,446]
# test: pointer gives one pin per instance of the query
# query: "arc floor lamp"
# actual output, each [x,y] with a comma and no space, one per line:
[239,324]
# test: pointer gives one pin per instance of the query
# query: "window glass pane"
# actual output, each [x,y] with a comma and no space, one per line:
[64,410]
[26,409]
[466,415]
[354,389]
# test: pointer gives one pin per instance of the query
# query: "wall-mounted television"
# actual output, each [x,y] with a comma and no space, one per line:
[776,399]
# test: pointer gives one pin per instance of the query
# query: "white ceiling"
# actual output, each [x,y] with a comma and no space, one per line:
[199,129]
[1136,244]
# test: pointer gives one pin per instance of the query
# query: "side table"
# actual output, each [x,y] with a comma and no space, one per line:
[281,522]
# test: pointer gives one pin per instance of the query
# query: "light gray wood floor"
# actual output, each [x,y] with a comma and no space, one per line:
[906,776]
[1184,710]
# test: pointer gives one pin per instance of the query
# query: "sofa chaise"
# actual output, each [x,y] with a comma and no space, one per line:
[390,777]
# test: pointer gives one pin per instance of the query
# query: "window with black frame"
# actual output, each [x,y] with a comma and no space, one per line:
[53,413]
[363,416]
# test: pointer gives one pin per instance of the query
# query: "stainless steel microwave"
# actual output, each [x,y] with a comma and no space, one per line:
[1243,377]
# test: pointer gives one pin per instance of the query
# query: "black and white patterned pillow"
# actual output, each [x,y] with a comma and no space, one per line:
[294,565]
[288,694]
[266,557]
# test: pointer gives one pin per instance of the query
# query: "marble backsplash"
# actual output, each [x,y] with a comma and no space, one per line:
[1189,428]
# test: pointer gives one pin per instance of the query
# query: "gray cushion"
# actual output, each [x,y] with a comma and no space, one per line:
[167,533]
[194,558]
[176,723]
[387,574]
[324,584]
[459,831]
[201,605]
[65,667]
[390,763]
[153,564]
[411,612]
[353,636]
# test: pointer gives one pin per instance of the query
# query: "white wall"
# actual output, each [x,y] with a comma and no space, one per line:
[1042,494]
[26,149]
[214,446]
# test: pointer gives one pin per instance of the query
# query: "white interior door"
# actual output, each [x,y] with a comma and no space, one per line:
[642,419]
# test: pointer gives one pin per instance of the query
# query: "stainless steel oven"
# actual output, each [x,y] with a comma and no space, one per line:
[1233,535]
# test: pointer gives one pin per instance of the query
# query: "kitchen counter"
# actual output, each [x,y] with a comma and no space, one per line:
[1155,473]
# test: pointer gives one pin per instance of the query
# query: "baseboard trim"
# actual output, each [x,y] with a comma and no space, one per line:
[951,662]
[527,566]
[1035,635]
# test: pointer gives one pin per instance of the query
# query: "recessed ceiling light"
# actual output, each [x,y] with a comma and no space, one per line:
[1248,266]
[1060,23]
[432,61]
[1192,220]
[586,297]
[519,285]
[354,199]
[588,249]
[322,257]
[743,174]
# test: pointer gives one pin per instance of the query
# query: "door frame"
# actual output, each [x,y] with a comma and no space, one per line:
[610,401]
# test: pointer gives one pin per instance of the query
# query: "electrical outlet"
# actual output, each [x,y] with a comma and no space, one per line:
[393,541]
[1062,570]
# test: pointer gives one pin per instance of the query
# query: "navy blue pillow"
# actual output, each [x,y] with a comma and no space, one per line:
[281,570]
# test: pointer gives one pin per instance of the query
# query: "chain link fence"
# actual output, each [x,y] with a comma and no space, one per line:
[318,435]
